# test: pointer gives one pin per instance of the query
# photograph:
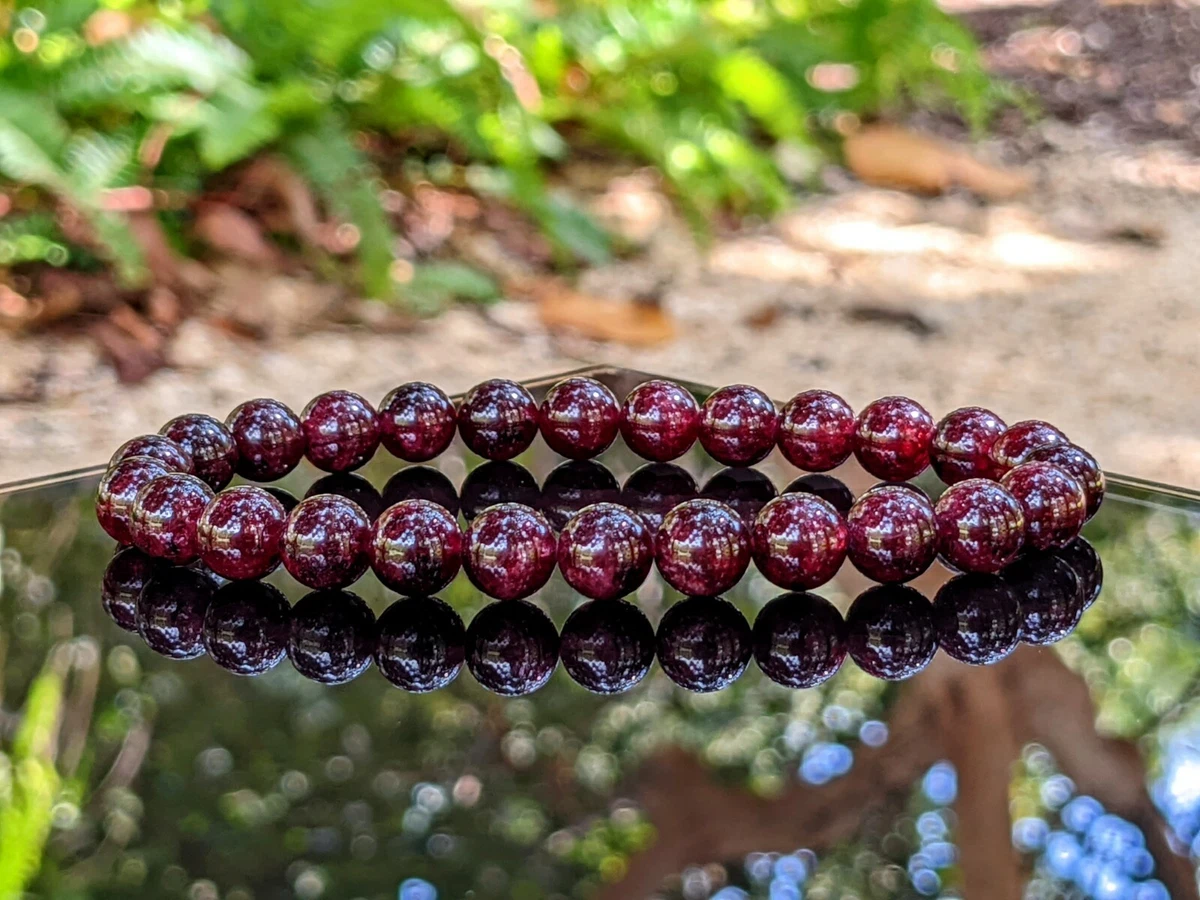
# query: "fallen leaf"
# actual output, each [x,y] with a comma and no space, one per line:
[134,346]
[599,318]
[233,232]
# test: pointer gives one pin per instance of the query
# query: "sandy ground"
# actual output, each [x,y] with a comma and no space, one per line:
[1080,304]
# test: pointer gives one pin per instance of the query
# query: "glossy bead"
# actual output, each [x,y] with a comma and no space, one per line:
[655,489]
[702,548]
[155,446]
[703,643]
[289,500]
[498,482]
[421,483]
[738,425]
[124,577]
[1053,501]
[509,551]
[980,526]
[170,612]
[165,515]
[416,548]
[341,431]
[269,438]
[978,619]
[605,551]
[745,491]
[1080,464]
[574,485]
[579,418]
[118,489]
[327,542]
[659,420]
[962,444]
[1048,591]
[210,444]
[1013,447]
[417,422]
[354,488]
[607,646]
[246,627]
[498,419]
[893,437]
[890,632]
[799,640]
[832,490]
[799,542]
[892,535]
[240,533]
[816,431]
[331,636]
[420,644]
[512,648]
[1083,559]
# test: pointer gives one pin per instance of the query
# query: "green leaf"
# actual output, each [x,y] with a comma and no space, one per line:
[756,84]
[436,285]
[235,123]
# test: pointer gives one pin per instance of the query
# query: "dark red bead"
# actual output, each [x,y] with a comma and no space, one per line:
[659,420]
[892,535]
[1076,461]
[155,446]
[416,548]
[978,619]
[703,643]
[498,419]
[417,422]
[1051,602]
[799,640]
[890,632]
[352,487]
[331,636]
[572,486]
[816,431]
[421,483]
[327,542]
[607,646]
[496,482]
[605,551]
[980,526]
[124,577]
[246,627]
[512,648]
[341,431]
[210,444]
[962,444]
[702,548]
[170,612]
[832,490]
[893,438]
[269,438]
[240,533]
[745,491]
[420,644]
[655,489]
[1082,557]
[510,551]
[1053,501]
[738,425]
[799,542]
[118,488]
[1013,447]
[165,515]
[579,418]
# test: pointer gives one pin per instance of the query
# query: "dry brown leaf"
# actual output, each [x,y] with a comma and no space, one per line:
[893,157]
[600,318]
[233,232]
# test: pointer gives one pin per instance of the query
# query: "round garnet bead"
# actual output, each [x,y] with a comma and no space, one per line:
[510,551]
[659,420]
[331,636]
[655,489]
[962,444]
[155,446]
[893,437]
[1053,501]
[341,431]
[607,646]
[420,644]
[165,515]
[124,577]
[816,431]
[1013,447]
[210,444]
[892,533]
[512,648]
[416,548]
[421,483]
[703,643]
[1048,591]
[326,542]
[1079,463]
[799,640]
[574,485]
[498,419]
[799,541]
[1082,557]
[496,482]
[605,551]
[417,422]
[745,491]
[832,490]
[246,627]
[702,548]
[240,532]
[980,526]
[170,612]
[890,632]
[978,619]
[119,487]
[738,425]
[269,438]
[579,418]
[354,488]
